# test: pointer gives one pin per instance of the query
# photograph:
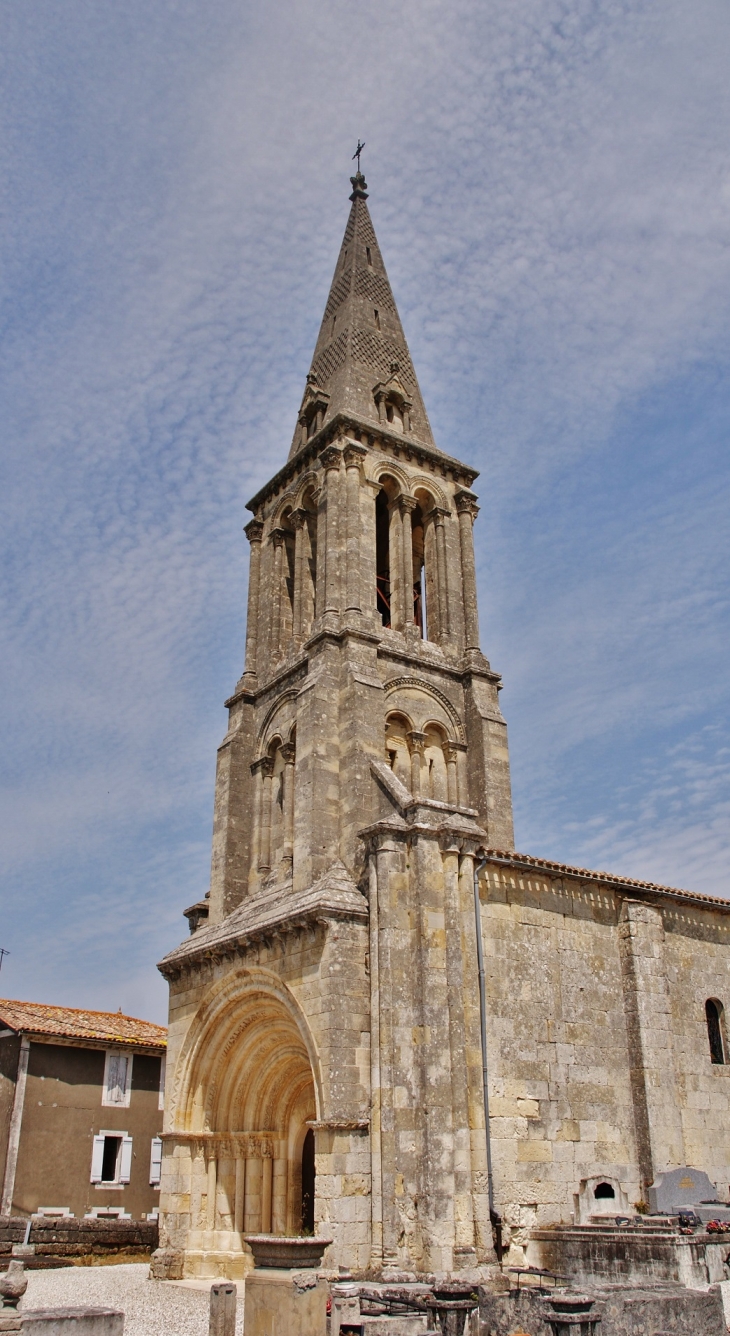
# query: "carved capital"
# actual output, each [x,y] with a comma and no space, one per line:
[299,517]
[406,504]
[264,765]
[288,751]
[254,531]
[466,504]
[438,514]
[353,455]
[417,741]
[451,751]
[278,537]
[330,458]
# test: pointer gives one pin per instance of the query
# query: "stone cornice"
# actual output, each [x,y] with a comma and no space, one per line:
[274,913]
[376,436]
[628,886]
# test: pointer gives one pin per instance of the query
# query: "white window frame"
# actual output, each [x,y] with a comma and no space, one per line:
[107,1097]
[108,1212]
[57,1212]
[155,1162]
[163,1068]
[123,1168]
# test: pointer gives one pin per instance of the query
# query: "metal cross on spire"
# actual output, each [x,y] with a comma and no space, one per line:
[357,153]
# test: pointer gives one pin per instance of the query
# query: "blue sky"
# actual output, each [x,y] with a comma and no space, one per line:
[550,184]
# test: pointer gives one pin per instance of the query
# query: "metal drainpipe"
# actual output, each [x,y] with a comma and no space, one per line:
[495,1218]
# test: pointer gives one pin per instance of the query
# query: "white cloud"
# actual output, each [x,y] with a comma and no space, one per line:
[550,185]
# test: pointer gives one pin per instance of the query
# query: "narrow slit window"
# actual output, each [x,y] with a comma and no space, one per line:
[714,1016]
[377,319]
[334,322]
[370,258]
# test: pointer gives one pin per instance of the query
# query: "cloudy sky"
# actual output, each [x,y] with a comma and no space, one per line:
[550,184]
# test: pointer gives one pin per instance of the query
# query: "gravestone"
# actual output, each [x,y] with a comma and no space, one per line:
[680,1188]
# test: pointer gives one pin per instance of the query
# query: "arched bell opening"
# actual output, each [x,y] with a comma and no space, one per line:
[309,1175]
[287,599]
[426,564]
[251,1097]
[382,556]
[420,599]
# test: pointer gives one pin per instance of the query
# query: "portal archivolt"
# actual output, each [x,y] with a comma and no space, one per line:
[249,1093]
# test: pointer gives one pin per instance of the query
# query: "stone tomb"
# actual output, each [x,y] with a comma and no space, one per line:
[686,1190]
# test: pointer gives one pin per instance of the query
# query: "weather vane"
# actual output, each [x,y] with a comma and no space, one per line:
[357,153]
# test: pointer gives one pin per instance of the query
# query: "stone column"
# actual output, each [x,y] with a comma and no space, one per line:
[468,510]
[464,1252]
[407,505]
[252,1208]
[266,767]
[278,1191]
[331,458]
[266,1184]
[395,556]
[439,515]
[254,532]
[387,860]
[212,1187]
[353,456]
[417,741]
[278,538]
[368,550]
[376,1163]
[288,752]
[657,1120]
[452,774]
[483,1235]
[238,1199]
[299,520]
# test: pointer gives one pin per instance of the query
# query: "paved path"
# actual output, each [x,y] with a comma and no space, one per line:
[151,1307]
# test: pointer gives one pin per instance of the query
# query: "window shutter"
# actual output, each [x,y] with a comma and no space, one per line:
[125,1165]
[97,1157]
[156,1161]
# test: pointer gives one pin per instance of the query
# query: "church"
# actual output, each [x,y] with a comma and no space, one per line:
[387,1028]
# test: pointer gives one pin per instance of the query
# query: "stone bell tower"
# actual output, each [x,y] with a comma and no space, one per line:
[324,1067]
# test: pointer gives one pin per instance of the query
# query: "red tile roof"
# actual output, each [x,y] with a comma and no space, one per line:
[69,1023]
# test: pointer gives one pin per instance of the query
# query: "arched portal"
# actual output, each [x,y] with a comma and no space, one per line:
[247,1099]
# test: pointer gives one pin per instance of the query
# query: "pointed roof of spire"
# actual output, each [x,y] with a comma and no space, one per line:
[361,348]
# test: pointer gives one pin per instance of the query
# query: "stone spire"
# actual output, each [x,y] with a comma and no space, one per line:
[361,364]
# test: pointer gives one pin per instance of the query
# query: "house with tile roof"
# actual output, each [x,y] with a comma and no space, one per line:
[81,1107]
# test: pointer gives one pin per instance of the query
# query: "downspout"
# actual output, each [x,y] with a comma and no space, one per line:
[495,1218]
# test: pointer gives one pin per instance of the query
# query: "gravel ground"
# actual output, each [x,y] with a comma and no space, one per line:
[151,1307]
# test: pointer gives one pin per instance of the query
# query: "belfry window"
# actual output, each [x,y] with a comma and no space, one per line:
[714,1013]
[382,556]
